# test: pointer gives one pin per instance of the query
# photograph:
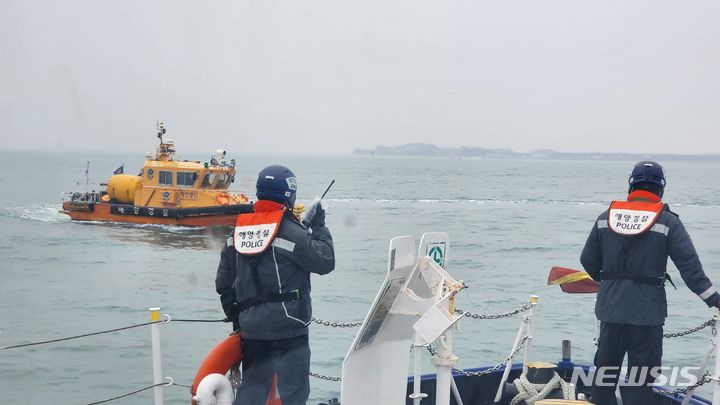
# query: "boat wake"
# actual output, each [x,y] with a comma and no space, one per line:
[159,227]
[51,213]
[35,212]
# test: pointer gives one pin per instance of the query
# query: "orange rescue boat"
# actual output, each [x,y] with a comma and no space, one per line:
[166,192]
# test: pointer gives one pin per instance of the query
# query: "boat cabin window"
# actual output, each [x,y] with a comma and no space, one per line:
[165,178]
[222,182]
[186,179]
[208,180]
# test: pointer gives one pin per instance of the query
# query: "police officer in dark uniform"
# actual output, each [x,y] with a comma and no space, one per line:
[267,292]
[627,253]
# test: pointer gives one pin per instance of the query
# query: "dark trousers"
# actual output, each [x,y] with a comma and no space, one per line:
[262,359]
[643,345]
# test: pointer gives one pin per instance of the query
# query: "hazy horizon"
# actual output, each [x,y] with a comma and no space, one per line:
[326,77]
[194,154]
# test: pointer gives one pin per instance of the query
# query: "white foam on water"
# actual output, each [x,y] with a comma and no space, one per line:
[163,227]
[51,213]
[36,212]
[695,205]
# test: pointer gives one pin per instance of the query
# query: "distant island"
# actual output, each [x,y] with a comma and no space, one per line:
[430,150]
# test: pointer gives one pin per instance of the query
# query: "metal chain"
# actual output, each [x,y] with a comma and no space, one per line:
[325,377]
[706,378]
[710,322]
[334,324]
[495,367]
[523,308]
[508,314]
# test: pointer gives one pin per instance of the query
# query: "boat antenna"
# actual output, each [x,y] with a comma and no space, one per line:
[87,173]
[311,211]
[160,130]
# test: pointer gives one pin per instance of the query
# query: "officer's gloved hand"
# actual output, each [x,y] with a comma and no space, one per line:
[234,317]
[235,323]
[318,220]
[713,300]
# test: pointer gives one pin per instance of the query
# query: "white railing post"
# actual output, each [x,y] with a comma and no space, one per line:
[508,365]
[444,362]
[417,396]
[455,392]
[156,355]
[530,331]
[703,364]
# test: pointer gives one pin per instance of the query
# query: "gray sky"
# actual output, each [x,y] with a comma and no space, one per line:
[329,76]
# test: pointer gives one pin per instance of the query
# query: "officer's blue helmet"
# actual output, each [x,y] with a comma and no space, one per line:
[650,172]
[277,183]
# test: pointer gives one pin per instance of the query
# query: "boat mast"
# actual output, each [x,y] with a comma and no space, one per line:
[160,130]
[165,150]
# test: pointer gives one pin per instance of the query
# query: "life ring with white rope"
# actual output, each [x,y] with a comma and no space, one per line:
[224,356]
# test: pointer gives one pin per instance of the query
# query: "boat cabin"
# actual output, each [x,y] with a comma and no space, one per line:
[184,184]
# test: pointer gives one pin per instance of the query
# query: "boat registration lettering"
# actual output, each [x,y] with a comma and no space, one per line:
[188,195]
[253,239]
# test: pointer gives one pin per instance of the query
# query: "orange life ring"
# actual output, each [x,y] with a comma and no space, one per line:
[238,198]
[223,198]
[221,358]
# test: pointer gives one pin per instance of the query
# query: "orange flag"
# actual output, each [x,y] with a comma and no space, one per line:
[572,281]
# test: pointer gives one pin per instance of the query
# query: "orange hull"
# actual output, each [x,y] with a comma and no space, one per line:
[101,212]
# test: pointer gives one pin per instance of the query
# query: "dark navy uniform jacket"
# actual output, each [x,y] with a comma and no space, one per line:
[284,267]
[630,302]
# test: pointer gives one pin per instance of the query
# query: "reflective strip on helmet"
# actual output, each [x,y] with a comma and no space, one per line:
[708,293]
[660,228]
[647,171]
[602,224]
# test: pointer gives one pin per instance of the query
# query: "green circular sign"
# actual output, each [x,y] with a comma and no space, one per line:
[436,253]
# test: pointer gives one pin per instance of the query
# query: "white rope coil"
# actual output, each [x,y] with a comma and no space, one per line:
[529,392]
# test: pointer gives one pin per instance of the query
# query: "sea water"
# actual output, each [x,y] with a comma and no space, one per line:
[509,222]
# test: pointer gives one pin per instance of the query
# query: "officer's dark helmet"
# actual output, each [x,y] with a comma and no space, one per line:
[649,176]
[277,183]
